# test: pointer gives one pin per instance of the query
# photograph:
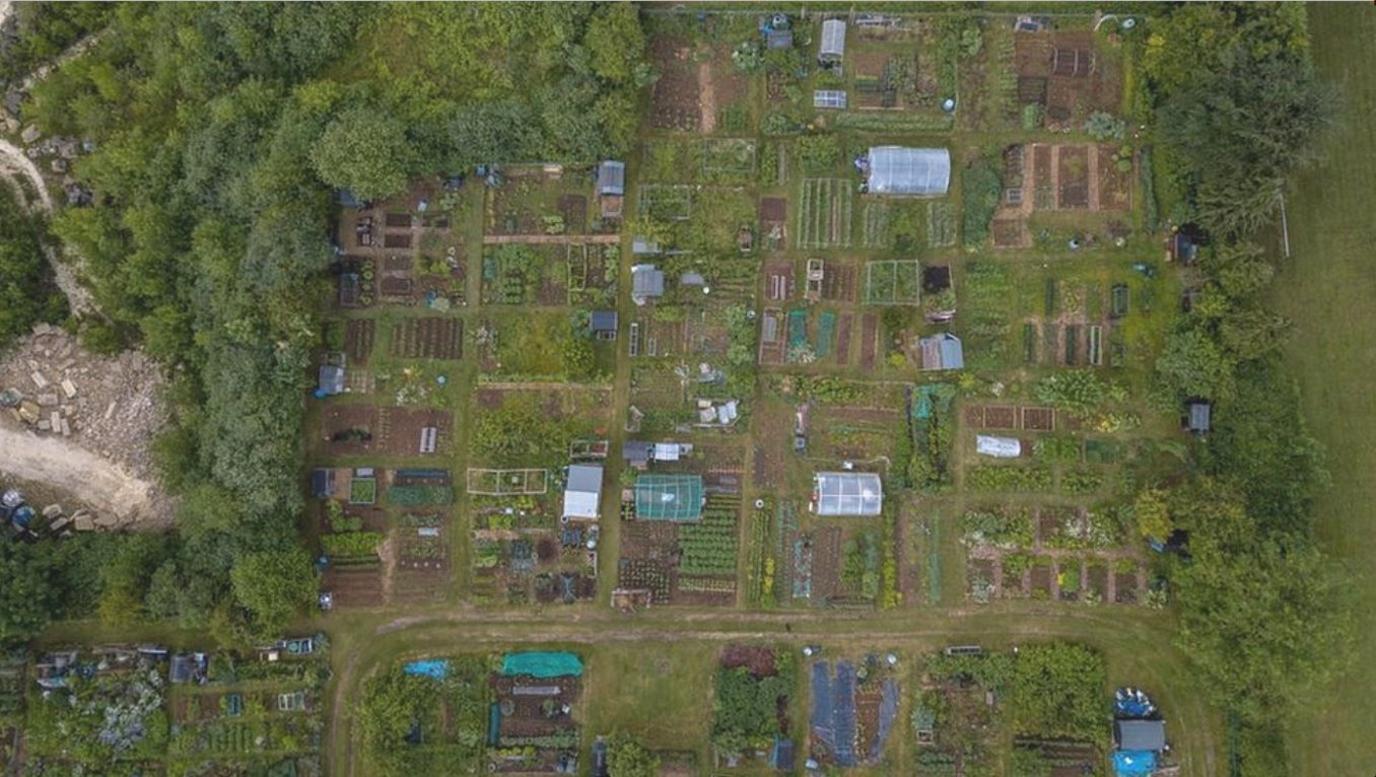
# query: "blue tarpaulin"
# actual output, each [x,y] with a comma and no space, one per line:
[435,667]
[1133,763]
[888,710]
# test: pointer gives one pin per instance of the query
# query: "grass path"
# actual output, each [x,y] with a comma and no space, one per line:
[1327,288]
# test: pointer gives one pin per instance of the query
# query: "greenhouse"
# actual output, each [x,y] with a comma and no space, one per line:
[918,172]
[847,493]
[668,497]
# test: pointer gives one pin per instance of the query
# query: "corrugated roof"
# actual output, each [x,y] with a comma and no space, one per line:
[912,171]
[1140,734]
[668,497]
[848,493]
[611,178]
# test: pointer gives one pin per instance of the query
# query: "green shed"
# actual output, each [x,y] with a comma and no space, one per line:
[668,498]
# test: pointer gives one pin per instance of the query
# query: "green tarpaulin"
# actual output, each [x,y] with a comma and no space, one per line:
[542,664]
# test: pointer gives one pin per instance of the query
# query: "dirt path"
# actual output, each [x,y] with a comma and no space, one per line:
[97,481]
[14,163]
[552,239]
[707,100]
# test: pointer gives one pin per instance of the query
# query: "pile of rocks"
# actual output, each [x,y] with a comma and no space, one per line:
[108,404]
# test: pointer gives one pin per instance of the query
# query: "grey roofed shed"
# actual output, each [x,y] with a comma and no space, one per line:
[1139,734]
[848,493]
[942,352]
[911,171]
[611,178]
[602,321]
[833,40]
[1199,417]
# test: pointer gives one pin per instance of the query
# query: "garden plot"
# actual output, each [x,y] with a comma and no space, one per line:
[592,271]
[774,222]
[754,688]
[853,710]
[893,282]
[426,338]
[348,428]
[676,95]
[1064,72]
[824,213]
[1050,553]
[541,346]
[516,566]
[413,431]
[899,76]
[685,563]
[519,274]
[474,713]
[359,335]
[543,202]
[1060,176]
[220,713]
[519,429]
[421,545]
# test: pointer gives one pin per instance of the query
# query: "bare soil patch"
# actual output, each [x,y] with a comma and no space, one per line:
[428,338]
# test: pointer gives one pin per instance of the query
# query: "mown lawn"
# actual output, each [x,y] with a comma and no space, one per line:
[658,692]
[1326,288]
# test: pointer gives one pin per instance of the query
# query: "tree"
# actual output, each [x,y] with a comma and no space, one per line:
[1152,514]
[627,757]
[1193,365]
[616,42]
[1263,618]
[27,292]
[274,586]
[365,151]
[28,599]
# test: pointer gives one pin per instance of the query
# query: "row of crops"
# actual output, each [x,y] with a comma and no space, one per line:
[709,546]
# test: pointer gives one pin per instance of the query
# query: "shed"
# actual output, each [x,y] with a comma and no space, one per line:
[778,39]
[1137,734]
[942,352]
[1184,248]
[637,453]
[602,322]
[611,178]
[322,483]
[902,171]
[781,755]
[330,381]
[347,199]
[583,492]
[676,498]
[647,282]
[833,46]
[1199,416]
[644,246]
[847,493]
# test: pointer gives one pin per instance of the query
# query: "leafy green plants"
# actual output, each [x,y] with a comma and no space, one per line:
[981,190]
[993,477]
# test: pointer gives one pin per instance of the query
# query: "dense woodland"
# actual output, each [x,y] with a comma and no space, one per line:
[222,132]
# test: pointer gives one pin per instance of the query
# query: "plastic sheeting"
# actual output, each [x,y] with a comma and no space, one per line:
[1134,763]
[542,664]
[888,711]
[998,447]
[435,667]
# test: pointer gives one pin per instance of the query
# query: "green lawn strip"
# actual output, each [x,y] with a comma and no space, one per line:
[1325,289]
